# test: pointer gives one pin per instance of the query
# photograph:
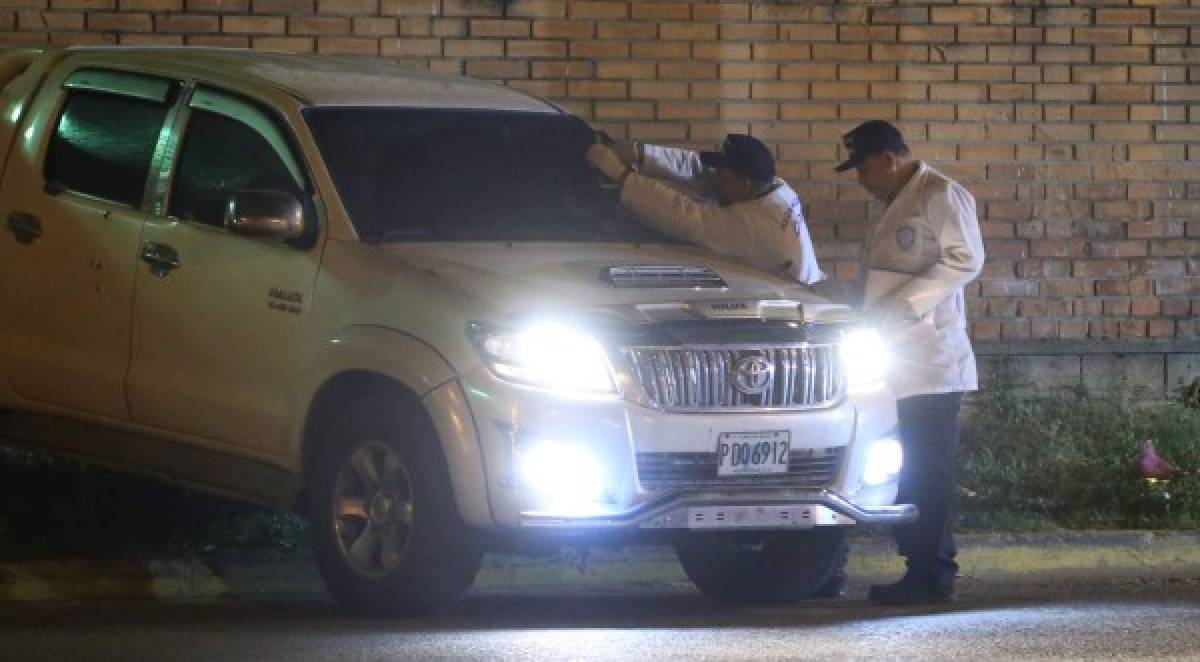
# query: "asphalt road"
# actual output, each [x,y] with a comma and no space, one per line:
[1124,621]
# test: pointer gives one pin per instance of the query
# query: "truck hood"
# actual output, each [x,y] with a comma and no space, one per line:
[520,279]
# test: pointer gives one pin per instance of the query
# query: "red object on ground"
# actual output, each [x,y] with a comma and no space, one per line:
[1152,465]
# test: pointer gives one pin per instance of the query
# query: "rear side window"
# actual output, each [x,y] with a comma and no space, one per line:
[103,145]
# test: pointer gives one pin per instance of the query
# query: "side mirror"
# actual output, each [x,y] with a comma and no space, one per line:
[274,214]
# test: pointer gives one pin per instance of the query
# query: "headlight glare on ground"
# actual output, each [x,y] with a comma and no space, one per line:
[885,458]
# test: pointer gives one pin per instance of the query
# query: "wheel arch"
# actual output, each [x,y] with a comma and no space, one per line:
[445,410]
[340,391]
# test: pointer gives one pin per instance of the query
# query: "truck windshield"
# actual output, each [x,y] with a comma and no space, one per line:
[465,175]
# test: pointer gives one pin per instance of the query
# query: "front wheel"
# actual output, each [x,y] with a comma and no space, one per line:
[386,530]
[774,569]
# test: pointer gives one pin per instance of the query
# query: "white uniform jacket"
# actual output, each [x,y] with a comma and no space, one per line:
[923,250]
[672,191]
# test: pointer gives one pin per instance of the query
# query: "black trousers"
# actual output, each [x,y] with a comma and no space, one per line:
[929,435]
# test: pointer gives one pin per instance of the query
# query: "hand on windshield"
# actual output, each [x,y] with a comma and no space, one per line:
[627,151]
[605,160]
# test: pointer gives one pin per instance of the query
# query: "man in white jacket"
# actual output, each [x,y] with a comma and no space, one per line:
[730,201]
[921,252]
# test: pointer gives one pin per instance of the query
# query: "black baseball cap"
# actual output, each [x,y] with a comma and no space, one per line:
[869,138]
[745,155]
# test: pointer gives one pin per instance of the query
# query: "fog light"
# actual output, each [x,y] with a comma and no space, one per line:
[562,474]
[885,458]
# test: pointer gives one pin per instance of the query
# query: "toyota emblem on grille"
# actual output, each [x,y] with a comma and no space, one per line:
[753,375]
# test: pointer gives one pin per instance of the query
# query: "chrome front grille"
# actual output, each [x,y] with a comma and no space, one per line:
[802,376]
[808,468]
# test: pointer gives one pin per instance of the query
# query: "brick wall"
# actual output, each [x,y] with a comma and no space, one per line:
[1075,123]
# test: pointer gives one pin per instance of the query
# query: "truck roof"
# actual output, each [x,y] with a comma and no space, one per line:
[332,81]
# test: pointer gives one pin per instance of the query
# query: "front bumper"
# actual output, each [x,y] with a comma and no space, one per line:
[718,510]
[619,434]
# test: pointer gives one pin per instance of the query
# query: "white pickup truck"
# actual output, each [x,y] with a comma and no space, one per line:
[403,305]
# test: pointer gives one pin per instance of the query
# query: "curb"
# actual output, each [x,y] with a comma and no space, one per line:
[986,560]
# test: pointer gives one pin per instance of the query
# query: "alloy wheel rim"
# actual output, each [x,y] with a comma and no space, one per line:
[373,509]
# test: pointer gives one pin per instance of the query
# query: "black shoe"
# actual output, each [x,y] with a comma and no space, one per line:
[834,587]
[911,591]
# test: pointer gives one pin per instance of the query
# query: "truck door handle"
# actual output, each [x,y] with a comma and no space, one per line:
[24,226]
[161,257]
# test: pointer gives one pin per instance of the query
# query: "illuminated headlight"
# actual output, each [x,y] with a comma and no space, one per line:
[563,475]
[865,357]
[885,458]
[549,356]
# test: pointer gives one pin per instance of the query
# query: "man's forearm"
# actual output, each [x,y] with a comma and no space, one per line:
[663,207]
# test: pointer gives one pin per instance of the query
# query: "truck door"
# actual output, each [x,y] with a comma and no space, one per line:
[71,205]
[219,318]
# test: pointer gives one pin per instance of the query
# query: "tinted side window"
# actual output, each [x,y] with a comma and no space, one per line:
[103,145]
[221,156]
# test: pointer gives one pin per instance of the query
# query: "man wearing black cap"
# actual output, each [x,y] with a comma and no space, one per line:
[921,252]
[730,201]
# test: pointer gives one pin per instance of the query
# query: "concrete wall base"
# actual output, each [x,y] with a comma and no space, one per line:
[1145,370]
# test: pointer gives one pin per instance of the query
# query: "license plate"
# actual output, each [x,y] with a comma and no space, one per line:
[742,453]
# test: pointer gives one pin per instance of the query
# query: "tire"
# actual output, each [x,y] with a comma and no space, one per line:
[771,570]
[386,530]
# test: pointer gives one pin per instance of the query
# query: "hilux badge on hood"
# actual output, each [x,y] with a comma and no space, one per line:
[749,309]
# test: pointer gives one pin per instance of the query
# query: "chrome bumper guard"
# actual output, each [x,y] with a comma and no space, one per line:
[709,510]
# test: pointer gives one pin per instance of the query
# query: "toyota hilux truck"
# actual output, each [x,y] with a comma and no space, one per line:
[404,306]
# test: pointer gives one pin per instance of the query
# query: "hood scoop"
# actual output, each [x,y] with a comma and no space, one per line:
[663,276]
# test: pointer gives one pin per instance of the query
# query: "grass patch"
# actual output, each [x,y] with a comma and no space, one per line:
[54,507]
[1066,459]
